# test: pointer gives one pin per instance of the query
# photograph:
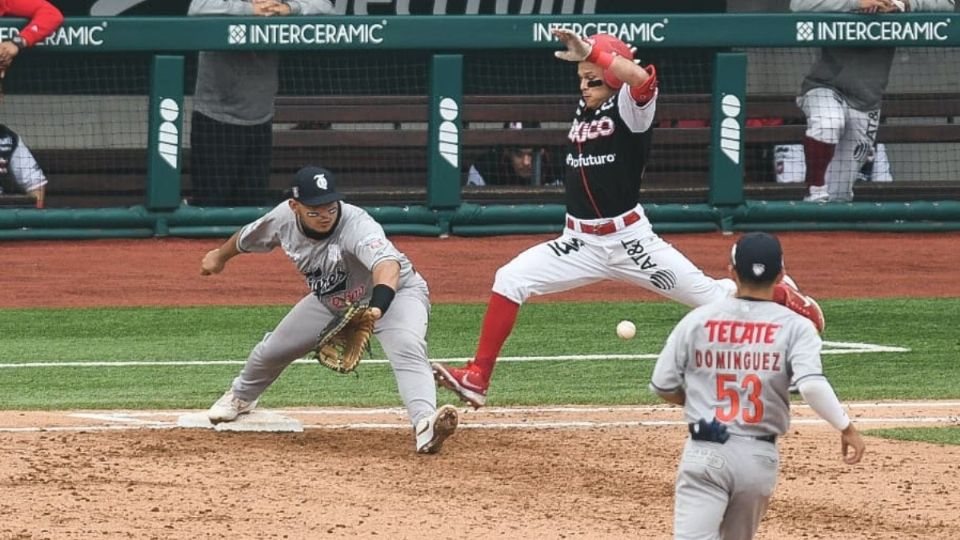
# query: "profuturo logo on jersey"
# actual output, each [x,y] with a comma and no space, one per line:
[305,34]
[168,140]
[730,133]
[448,139]
[590,160]
[852,31]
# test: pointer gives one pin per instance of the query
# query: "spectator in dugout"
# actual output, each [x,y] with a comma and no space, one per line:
[19,170]
[231,135]
[43,18]
[514,165]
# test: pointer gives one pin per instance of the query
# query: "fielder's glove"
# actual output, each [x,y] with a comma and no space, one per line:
[340,346]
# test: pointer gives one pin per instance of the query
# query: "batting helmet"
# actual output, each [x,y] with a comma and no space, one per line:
[613,45]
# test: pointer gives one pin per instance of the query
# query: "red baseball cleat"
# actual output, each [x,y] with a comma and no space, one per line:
[785,293]
[466,382]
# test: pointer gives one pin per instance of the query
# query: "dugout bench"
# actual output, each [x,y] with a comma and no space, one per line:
[377,145]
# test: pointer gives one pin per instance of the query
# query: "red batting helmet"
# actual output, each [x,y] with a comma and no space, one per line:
[614,46]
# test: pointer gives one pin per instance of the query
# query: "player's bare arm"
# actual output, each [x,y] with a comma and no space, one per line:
[38,195]
[819,394]
[850,440]
[215,259]
[385,274]
[677,398]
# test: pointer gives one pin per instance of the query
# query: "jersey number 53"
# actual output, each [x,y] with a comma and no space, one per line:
[729,386]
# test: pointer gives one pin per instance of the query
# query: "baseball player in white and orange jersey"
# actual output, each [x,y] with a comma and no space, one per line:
[345,257]
[607,234]
[730,363]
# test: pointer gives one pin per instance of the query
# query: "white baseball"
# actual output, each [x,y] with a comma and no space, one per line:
[626,330]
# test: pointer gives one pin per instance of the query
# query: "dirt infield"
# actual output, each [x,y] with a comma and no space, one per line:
[508,473]
[519,473]
[166,272]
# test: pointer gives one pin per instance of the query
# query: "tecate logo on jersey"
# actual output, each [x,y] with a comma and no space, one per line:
[730,133]
[582,131]
[168,141]
[449,134]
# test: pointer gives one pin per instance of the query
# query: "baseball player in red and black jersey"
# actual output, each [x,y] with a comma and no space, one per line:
[44,19]
[607,234]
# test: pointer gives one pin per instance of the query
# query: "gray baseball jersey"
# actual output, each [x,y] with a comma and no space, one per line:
[338,270]
[860,74]
[736,359]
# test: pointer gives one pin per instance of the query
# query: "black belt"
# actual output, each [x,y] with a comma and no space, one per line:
[711,437]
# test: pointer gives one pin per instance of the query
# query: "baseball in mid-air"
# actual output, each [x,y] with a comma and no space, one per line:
[626,330]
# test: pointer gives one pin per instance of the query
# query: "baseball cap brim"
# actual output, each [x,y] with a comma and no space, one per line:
[317,200]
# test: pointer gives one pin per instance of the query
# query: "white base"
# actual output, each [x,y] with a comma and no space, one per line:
[256,420]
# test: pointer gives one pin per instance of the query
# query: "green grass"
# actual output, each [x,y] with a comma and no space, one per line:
[926,326]
[941,435]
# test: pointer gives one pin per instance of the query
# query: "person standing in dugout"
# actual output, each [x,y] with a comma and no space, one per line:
[841,98]
[345,257]
[607,234]
[730,364]
[231,128]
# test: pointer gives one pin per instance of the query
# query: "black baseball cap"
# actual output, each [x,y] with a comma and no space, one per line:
[314,186]
[757,257]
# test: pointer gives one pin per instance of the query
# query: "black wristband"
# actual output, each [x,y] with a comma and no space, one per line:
[18,42]
[381,297]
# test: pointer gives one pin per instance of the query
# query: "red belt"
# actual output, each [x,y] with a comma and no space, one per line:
[604,228]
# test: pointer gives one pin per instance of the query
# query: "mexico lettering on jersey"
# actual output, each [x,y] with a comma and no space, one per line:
[606,156]
[339,268]
[736,359]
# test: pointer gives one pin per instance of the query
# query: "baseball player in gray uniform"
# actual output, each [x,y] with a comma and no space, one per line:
[841,99]
[345,257]
[730,363]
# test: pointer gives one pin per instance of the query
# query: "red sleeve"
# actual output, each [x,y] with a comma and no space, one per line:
[44,18]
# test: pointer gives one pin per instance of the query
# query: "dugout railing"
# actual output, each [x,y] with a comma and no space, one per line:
[427,137]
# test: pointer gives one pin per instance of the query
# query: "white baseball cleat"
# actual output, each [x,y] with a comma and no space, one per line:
[817,194]
[433,430]
[229,407]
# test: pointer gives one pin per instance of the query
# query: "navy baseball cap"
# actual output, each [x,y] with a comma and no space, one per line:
[314,186]
[757,257]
